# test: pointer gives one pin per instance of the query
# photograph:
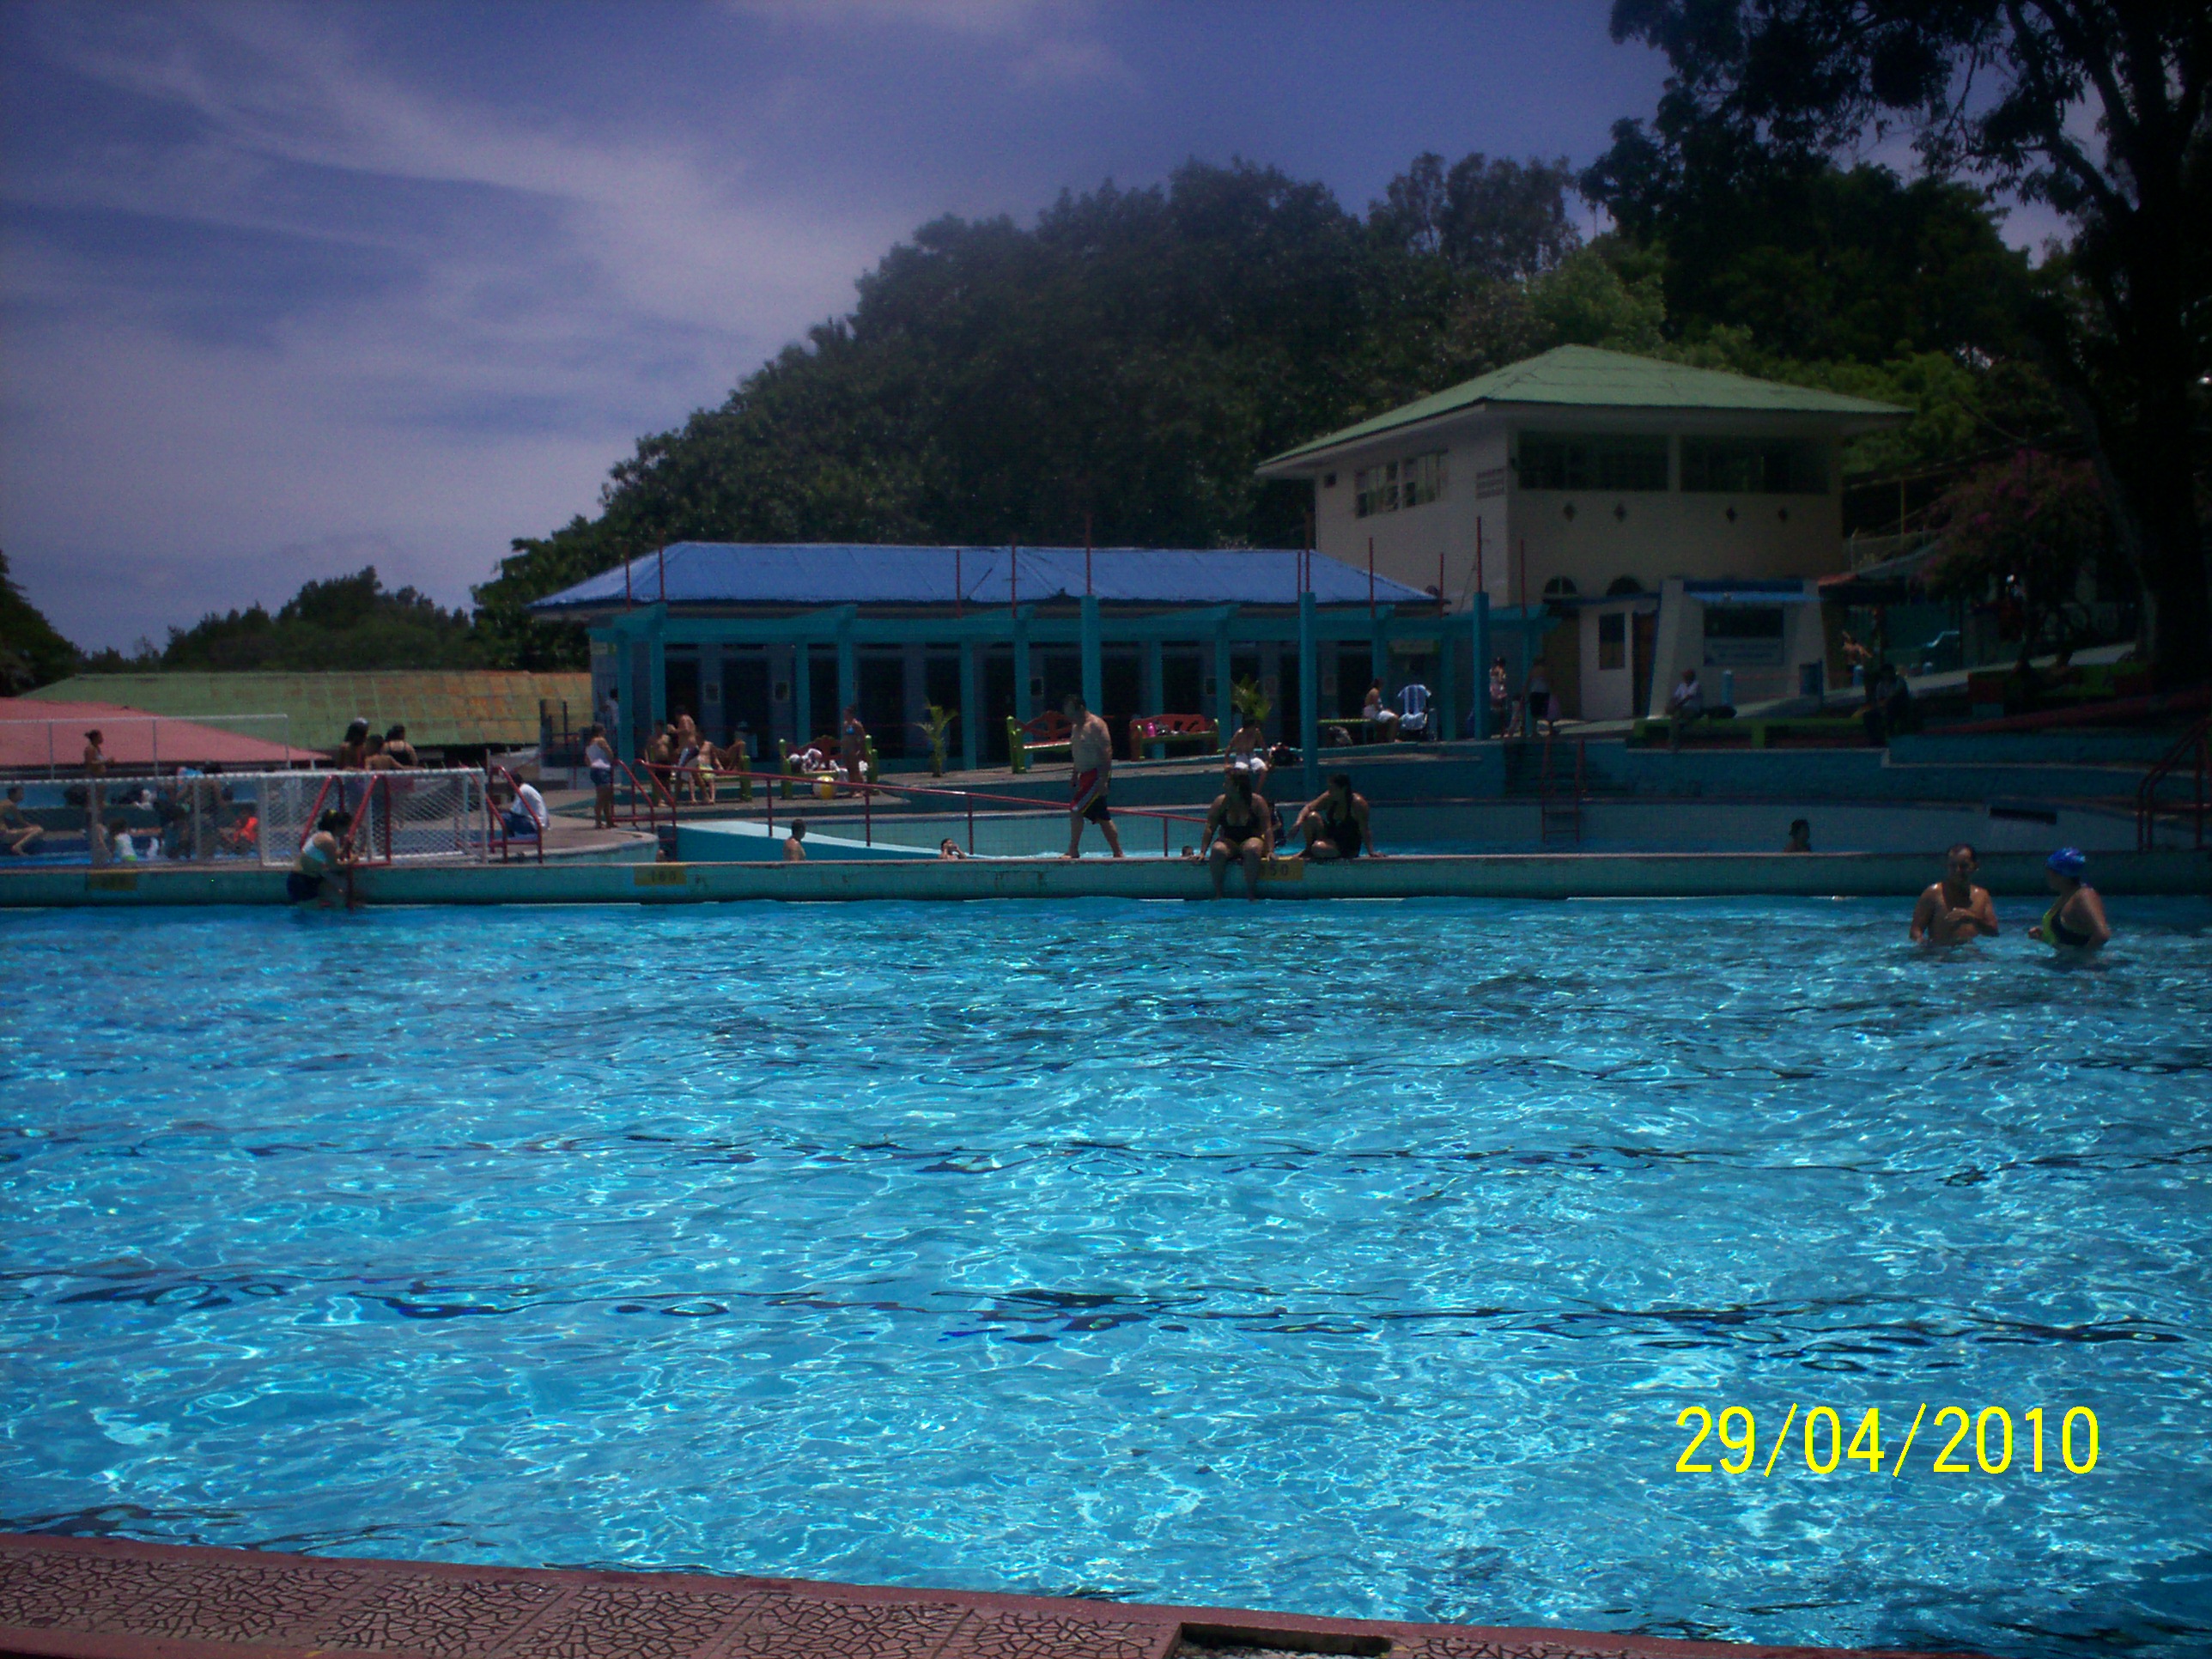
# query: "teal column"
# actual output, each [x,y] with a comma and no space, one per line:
[1156,677]
[1094,675]
[659,687]
[1481,626]
[802,692]
[626,743]
[1023,711]
[1446,717]
[1224,705]
[1308,696]
[971,706]
[848,675]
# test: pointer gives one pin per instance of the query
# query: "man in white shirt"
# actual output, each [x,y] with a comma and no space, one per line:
[1684,704]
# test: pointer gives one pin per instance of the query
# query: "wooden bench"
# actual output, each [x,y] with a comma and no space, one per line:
[1150,732]
[1363,729]
[1048,730]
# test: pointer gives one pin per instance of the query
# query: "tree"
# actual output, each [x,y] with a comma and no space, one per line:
[32,650]
[1498,220]
[344,622]
[2031,532]
[1992,90]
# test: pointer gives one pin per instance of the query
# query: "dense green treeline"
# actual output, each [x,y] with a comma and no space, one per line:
[1127,361]
[344,623]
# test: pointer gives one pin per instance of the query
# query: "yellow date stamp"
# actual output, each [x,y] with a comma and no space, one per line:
[1827,1449]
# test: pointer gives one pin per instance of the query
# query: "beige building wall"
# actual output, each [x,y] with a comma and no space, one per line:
[1649,535]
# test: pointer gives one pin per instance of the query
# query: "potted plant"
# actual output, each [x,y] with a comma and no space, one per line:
[936,727]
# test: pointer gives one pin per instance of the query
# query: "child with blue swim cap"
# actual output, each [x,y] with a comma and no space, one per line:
[2076,920]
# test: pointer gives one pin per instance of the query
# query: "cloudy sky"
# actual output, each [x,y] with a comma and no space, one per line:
[286,289]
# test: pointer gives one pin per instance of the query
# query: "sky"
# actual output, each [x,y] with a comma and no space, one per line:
[286,289]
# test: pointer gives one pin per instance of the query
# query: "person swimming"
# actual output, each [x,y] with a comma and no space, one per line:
[1954,911]
[2076,920]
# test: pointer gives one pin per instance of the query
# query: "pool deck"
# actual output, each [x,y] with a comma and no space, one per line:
[82,1598]
[1512,876]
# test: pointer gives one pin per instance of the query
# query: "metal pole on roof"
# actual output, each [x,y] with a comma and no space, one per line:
[1013,573]
[1480,586]
[1086,553]
[957,583]
[1440,581]
[1370,578]
[627,600]
[660,555]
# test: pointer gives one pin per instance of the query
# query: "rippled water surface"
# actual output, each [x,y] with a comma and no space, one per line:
[1356,1259]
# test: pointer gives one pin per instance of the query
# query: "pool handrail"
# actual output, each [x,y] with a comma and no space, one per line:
[2196,744]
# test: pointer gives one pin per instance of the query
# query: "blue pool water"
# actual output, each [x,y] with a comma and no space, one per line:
[1355,1259]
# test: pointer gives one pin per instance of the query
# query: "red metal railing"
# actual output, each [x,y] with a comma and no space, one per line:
[2195,745]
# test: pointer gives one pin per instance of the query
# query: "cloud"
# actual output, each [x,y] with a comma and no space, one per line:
[1047,43]
[285,304]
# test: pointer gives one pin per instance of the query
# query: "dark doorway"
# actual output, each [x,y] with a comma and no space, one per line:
[681,687]
[998,704]
[1063,675]
[940,684]
[1182,684]
[821,696]
[746,701]
[1288,727]
[883,702]
[1122,684]
[1355,673]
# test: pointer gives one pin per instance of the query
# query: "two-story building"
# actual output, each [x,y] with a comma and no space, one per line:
[1639,517]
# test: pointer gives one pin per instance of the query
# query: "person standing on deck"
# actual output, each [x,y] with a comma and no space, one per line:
[95,762]
[1954,911]
[1091,757]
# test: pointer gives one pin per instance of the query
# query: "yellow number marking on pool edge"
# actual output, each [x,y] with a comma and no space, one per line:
[1283,870]
[657,875]
[1780,1440]
[1907,1449]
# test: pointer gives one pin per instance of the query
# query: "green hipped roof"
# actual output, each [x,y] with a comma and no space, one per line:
[458,707]
[1585,377]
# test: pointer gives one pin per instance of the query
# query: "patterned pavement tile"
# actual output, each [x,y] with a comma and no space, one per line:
[443,1618]
[1046,1636]
[802,1627]
[61,1589]
[639,1621]
[232,1604]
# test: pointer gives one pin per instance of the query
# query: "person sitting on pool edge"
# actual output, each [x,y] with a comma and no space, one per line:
[18,834]
[1800,837]
[1954,910]
[1241,825]
[1335,822]
[321,858]
[793,852]
[2077,921]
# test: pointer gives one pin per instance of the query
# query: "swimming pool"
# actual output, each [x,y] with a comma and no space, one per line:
[1355,1260]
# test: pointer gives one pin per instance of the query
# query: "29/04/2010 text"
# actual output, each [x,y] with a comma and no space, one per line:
[1826,1451]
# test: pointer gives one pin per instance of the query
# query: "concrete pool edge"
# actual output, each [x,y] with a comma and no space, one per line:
[2166,872]
[104,1598]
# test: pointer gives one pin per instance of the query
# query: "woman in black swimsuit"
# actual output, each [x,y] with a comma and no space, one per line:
[1240,826]
[1335,823]
[2077,921]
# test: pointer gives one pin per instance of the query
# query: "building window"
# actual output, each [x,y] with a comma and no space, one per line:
[1754,466]
[1612,640]
[1374,489]
[1622,461]
[1421,480]
[1743,637]
[1413,483]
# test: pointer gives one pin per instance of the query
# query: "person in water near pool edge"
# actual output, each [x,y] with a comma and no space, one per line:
[2077,921]
[320,858]
[1800,837]
[1954,910]
[793,852]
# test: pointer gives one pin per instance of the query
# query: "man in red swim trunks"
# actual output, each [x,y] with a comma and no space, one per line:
[1090,751]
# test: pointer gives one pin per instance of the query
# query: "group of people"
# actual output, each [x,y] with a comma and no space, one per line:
[1242,827]
[1956,911]
[364,750]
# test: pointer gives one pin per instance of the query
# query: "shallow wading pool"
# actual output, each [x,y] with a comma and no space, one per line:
[1356,1261]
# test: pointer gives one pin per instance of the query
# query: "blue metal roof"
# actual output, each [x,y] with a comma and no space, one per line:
[823,572]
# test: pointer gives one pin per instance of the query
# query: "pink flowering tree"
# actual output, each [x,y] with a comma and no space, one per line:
[2027,533]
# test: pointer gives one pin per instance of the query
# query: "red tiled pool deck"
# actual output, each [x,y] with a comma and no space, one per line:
[105,1599]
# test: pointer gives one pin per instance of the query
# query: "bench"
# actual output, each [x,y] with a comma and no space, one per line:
[1048,730]
[1363,729]
[1150,732]
[788,761]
